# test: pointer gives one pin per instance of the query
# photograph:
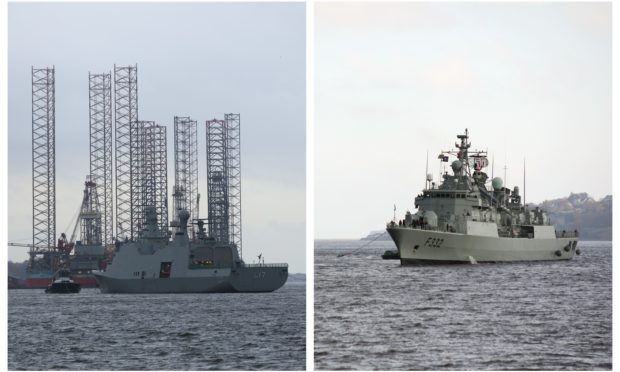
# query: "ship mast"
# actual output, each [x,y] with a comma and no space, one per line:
[426,174]
[524,182]
[462,155]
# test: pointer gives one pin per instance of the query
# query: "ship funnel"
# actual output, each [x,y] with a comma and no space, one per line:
[183,217]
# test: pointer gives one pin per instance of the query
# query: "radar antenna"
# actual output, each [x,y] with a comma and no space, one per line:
[426,174]
[524,182]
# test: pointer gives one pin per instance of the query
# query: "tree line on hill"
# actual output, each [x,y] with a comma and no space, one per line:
[592,218]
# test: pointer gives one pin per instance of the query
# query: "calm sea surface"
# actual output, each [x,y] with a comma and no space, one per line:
[374,314]
[90,330]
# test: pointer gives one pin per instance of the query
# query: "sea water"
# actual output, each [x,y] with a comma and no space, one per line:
[95,331]
[376,314]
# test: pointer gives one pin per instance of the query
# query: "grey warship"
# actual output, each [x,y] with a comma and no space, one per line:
[155,264]
[462,220]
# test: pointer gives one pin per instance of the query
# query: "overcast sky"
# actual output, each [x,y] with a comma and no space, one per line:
[529,80]
[194,59]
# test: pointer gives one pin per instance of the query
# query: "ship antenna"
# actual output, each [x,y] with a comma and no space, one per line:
[426,174]
[505,160]
[524,181]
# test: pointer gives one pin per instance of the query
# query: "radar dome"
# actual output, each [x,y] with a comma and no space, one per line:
[497,183]
[430,218]
[429,177]
[457,165]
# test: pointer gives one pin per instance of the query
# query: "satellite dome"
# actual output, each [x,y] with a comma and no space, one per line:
[430,218]
[456,166]
[429,177]
[497,183]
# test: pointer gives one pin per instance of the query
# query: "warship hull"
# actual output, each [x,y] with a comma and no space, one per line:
[261,278]
[418,246]
[155,264]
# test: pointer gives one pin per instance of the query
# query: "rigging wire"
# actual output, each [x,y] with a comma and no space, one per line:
[363,246]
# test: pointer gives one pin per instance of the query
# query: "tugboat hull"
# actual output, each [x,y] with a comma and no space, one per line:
[63,288]
[390,255]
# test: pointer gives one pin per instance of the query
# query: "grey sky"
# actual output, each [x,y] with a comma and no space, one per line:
[393,80]
[196,59]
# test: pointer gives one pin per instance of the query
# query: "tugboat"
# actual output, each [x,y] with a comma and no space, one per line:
[391,254]
[63,284]
[462,220]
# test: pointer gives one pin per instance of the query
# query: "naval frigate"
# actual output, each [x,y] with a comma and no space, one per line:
[153,263]
[462,220]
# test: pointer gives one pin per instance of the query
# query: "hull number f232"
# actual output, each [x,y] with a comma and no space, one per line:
[433,242]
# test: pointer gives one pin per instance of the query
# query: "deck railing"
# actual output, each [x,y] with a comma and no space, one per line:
[566,234]
[417,227]
[213,266]
[266,265]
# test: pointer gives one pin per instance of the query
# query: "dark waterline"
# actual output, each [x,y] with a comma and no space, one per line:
[94,331]
[374,314]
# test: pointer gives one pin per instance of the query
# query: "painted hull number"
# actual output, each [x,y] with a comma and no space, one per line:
[433,242]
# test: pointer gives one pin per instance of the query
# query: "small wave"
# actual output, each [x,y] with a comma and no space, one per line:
[429,308]
[187,334]
[496,306]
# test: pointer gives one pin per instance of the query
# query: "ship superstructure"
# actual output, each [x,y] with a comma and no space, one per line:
[194,260]
[464,220]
